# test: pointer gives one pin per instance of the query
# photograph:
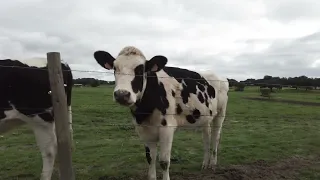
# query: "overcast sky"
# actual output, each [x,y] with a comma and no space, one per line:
[237,39]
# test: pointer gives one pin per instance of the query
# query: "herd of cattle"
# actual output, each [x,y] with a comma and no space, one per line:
[160,98]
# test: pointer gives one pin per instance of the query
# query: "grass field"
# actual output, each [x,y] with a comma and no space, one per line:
[260,139]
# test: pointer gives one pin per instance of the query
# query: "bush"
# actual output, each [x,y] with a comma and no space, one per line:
[309,88]
[239,86]
[94,83]
[265,92]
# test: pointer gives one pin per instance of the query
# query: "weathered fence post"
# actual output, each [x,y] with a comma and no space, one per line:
[61,120]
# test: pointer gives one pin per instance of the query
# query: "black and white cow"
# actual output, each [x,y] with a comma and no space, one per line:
[25,99]
[163,98]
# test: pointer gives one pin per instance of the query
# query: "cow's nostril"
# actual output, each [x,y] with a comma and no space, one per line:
[122,95]
[116,94]
[126,94]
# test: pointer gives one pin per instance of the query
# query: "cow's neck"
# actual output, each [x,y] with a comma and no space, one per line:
[148,100]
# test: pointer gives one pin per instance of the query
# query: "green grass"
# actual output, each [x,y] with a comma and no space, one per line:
[107,145]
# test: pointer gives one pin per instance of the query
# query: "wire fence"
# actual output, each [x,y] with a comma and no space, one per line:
[120,73]
[110,95]
[124,117]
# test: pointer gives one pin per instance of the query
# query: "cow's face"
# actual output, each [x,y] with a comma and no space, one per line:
[130,68]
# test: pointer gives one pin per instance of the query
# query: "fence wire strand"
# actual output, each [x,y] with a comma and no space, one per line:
[113,73]
[73,112]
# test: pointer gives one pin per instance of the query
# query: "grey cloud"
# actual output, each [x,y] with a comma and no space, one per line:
[91,71]
[78,28]
[284,58]
[228,10]
[289,10]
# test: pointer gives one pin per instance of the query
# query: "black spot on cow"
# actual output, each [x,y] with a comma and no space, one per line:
[2,115]
[200,97]
[190,80]
[206,96]
[164,122]
[46,116]
[178,109]
[4,106]
[185,94]
[201,87]
[206,99]
[173,93]
[148,156]
[164,165]
[210,113]
[190,119]
[196,114]
[49,155]
[211,92]
[154,97]
[137,82]
[163,106]
[207,103]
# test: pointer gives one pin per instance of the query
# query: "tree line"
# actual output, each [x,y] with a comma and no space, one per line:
[267,81]
[271,82]
[92,82]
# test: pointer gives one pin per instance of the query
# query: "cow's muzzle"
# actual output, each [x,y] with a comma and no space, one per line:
[122,97]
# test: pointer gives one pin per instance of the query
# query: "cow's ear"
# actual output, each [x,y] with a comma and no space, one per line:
[104,59]
[156,63]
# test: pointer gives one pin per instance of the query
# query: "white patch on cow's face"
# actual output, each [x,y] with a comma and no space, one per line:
[129,79]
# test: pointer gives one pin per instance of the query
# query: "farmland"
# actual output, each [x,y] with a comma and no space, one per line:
[260,139]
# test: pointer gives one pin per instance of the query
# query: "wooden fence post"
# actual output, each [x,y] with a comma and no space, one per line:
[61,120]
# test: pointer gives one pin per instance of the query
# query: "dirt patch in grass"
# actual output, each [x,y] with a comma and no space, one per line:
[284,101]
[259,170]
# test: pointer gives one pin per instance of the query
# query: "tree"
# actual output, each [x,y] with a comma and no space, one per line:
[232,82]
[94,83]
[239,86]
[267,77]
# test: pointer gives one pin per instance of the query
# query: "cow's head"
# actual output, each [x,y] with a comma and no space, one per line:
[130,69]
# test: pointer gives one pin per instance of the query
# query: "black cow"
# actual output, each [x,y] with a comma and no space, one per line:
[25,99]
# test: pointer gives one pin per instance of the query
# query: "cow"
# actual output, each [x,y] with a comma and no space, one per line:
[163,98]
[25,99]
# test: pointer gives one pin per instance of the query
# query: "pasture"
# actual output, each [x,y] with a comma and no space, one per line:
[260,140]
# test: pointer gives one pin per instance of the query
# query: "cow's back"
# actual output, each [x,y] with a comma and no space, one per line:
[197,99]
[221,86]
[26,88]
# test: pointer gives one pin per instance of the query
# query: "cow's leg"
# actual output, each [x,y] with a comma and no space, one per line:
[215,137]
[151,156]
[206,134]
[9,120]
[8,124]
[47,142]
[165,139]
